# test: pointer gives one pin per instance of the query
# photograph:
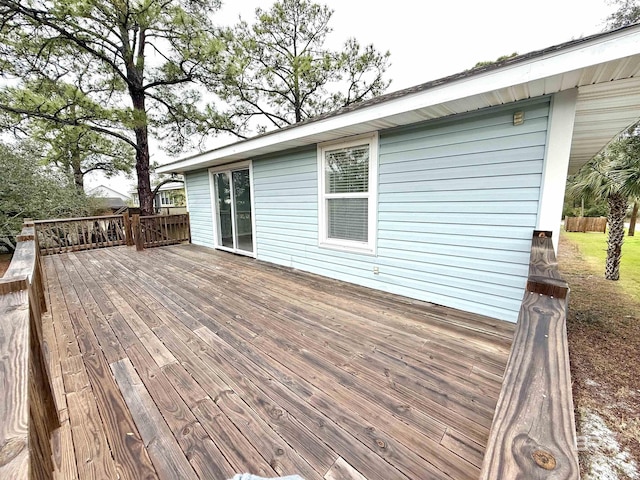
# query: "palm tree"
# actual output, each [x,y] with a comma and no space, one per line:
[614,175]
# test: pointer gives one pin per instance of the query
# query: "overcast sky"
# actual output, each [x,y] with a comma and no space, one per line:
[430,40]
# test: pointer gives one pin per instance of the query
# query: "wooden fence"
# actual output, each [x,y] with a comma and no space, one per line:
[86,233]
[28,414]
[585,224]
[533,431]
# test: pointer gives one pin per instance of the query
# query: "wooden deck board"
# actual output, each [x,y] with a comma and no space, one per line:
[190,363]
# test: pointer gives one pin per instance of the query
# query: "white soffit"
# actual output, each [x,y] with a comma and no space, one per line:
[603,69]
[602,111]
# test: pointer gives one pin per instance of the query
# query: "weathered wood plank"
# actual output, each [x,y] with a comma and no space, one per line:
[167,456]
[64,458]
[14,405]
[202,452]
[234,445]
[91,447]
[341,470]
[533,432]
[277,452]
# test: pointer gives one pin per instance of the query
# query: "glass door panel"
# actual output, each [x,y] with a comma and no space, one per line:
[233,210]
[223,207]
[242,207]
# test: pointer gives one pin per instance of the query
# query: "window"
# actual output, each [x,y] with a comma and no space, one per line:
[165,198]
[347,198]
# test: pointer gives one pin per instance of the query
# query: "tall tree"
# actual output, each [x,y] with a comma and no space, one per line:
[628,12]
[613,175]
[78,151]
[129,66]
[280,72]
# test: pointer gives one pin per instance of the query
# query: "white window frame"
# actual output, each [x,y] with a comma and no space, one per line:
[368,247]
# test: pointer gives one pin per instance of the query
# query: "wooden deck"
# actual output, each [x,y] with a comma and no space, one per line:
[182,362]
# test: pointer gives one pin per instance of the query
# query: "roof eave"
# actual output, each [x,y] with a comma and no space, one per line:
[557,70]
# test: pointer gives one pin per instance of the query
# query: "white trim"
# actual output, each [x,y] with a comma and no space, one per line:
[254,238]
[556,162]
[369,247]
[186,194]
[545,71]
[244,165]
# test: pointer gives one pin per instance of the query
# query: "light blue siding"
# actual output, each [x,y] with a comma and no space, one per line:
[457,203]
[200,207]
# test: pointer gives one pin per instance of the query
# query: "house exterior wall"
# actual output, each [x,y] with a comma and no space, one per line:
[199,204]
[457,202]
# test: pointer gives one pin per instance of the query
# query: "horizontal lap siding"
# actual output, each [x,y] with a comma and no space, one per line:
[200,215]
[458,201]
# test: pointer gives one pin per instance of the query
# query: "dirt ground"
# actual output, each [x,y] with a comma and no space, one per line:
[604,347]
[5,260]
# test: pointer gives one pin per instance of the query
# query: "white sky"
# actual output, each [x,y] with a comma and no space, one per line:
[430,40]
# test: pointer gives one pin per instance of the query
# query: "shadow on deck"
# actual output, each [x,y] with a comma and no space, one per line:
[183,362]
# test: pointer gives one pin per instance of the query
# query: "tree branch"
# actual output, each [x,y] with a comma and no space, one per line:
[165,181]
[73,123]
[39,17]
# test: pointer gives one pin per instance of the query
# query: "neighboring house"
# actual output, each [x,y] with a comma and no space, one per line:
[432,192]
[110,198]
[170,198]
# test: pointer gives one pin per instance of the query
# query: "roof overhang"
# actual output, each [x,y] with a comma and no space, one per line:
[604,68]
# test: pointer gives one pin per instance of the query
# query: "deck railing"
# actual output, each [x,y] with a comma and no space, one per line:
[28,414]
[533,431]
[72,234]
[87,233]
[160,230]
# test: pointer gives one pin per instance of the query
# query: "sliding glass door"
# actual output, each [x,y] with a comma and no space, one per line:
[234,217]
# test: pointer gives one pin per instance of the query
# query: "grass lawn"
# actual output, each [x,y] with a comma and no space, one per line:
[593,247]
[603,327]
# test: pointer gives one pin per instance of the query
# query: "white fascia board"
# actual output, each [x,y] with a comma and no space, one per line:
[582,55]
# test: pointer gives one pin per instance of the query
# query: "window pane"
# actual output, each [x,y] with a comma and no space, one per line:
[223,194]
[348,218]
[242,194]
[347,170]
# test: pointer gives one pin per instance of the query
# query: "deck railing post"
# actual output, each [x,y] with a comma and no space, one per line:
[188,220]
[128,233]
[137,232]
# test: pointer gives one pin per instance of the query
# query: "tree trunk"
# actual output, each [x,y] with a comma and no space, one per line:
[142,154]
[617,212]
[78,180]
[634,219]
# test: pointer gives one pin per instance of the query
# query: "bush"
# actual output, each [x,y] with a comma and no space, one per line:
[29,190]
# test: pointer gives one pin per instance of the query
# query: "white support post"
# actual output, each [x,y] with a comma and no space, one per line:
[556,162]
